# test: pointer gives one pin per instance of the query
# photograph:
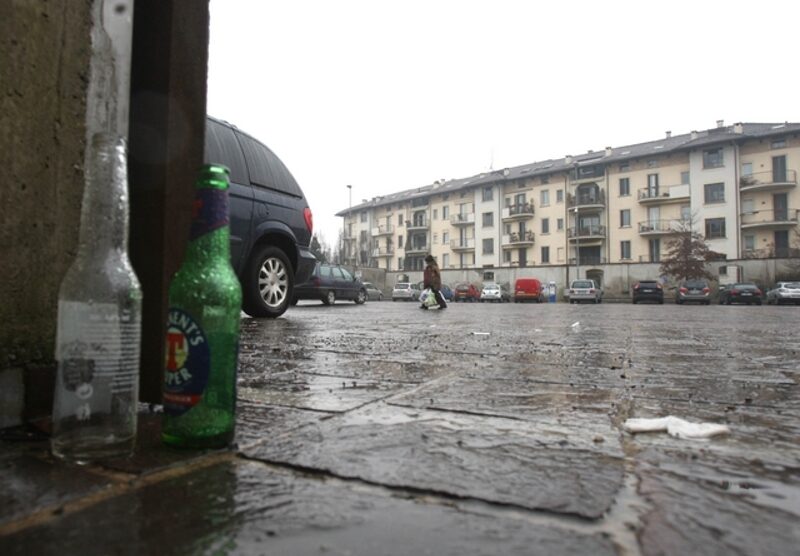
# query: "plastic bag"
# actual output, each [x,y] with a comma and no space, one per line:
[427,298]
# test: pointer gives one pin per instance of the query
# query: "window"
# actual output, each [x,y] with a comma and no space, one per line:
[712,158]
[488,219]
[749,242]
[652,163]
[545,225]
[544,197]
[654,246]
[778,144]
[714,193]
[747,169]
[624,187]
[507,256]
[435,214]
[400,241]
[560,224]
[399,219]
[445,212]
[363,236]
[435,239]
[748,206]
[559,195]
[488,246]
[545,254]
[684,178]
[445,238]
[686,213]
[399,263]
[488,193]
[346,274]
[625,250]
[545,180]
[445,260]
[624,166]
[364,216]
[625,218]
[715,228]
[488,276]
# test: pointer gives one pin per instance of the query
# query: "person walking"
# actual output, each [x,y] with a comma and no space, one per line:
[432,279]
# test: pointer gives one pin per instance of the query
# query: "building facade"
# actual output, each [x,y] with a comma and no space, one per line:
[735,185]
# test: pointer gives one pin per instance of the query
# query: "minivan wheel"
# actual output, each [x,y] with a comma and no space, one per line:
[268,283]
[330,298]
[361,297]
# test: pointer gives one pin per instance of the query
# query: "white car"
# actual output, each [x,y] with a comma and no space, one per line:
[407,291]
[492,293]
[784,292]
[585,290]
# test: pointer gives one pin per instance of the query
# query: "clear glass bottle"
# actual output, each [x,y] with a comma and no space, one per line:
[99,320]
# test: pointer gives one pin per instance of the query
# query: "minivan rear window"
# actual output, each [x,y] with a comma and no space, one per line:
[266,169]
[222,148]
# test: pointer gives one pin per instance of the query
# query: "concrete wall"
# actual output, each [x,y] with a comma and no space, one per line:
[44,78]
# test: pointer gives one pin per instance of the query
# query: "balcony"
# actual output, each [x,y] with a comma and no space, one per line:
[662,227]
[588,260]
[463,219]
[767,181]
[515,239]
[521,211]
[417,224]
[771,253]
[595,200]
[587,232]
[664,194]
[781,218]
[467,244]
[383,251]
[383,230]
[418,249]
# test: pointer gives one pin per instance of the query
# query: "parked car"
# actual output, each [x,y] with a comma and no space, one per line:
[744,292]
[466,292]
[405,291]
[528,289]
[784,292]
[446,292]
[373,293]
[648,290]
[494,292]
[585,290]
[693,291]
[270,222]
[330,282]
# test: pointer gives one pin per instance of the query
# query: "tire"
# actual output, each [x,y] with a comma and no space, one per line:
[660,301]
[361,297]
[268,283]
[708,303]
[330,298]
[380,297]
[635,302]
[294,301]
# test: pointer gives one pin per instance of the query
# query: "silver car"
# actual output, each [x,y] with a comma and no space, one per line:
[491,292]
[405,291]
[585,290]
[784,292]
[373,293]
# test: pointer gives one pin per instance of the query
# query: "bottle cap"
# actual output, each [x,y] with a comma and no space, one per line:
[213,176]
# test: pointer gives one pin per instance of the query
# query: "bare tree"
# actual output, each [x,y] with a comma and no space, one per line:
[687,255]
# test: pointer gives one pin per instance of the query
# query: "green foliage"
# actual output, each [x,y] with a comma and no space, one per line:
[687,255]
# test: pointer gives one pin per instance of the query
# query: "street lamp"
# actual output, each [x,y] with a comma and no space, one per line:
[346,244]
[577,246]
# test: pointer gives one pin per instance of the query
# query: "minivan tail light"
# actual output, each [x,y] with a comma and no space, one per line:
[758,292]
[684,290]
[706,291]
[316,281]
[658,286]
[591,290]
[309,218]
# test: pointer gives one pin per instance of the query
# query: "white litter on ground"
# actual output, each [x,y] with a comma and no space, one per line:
[481,333]
[675,426]
[576,324]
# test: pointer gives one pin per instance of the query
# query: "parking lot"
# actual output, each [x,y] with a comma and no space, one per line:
[484,429]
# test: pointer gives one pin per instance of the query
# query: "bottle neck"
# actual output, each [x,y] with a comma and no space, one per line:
[104,213]
[209,236]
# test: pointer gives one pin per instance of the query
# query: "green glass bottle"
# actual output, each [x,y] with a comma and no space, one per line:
[202,344]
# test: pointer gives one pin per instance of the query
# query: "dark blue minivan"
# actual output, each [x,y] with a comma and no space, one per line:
[270,221]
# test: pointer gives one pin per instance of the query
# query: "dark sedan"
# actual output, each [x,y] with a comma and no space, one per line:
[745,292]
[330,282]
[648,290]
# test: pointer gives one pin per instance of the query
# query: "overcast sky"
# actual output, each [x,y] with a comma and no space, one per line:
[386,96]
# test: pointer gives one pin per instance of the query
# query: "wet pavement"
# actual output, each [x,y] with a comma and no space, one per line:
[482,429]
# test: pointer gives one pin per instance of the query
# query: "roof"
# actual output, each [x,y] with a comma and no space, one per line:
[675,143]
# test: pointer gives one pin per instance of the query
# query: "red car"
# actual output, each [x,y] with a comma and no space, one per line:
[528,289]
[466,292]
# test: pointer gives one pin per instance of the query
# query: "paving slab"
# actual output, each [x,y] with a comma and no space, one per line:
[248,508]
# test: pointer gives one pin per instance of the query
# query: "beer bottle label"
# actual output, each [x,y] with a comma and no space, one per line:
[188,363]
[209,212]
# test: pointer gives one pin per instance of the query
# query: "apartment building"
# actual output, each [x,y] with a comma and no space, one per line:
[736,185]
